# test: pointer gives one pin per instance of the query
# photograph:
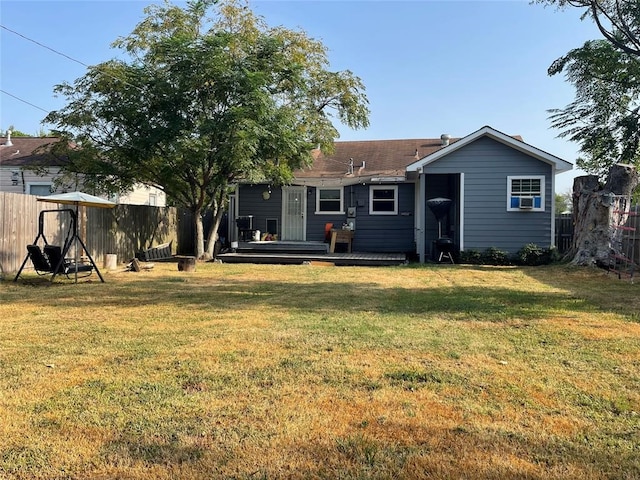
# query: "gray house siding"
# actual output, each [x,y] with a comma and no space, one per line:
[486,164]
[316,223]
[373,233]
[251,202]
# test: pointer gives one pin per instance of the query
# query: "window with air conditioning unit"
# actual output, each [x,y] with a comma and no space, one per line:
[525,193]
[525,202]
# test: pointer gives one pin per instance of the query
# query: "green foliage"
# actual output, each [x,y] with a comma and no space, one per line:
[205,101]
[470,257]
[617,20]
[530,254]
[604,118]
[490,256]
[16,133]
[533,255]
[495,256]
[564,202]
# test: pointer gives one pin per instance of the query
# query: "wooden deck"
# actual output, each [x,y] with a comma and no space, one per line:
[297,253]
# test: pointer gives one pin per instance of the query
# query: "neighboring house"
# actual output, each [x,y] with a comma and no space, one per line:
[17,154]
[501,191]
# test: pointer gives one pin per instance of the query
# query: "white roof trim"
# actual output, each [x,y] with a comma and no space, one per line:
[560,165]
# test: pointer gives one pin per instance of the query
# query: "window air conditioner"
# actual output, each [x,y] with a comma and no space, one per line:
[525,203]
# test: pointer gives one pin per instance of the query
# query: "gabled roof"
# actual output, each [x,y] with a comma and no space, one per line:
[371,159]
[392,159]
[486,131]
[27,151]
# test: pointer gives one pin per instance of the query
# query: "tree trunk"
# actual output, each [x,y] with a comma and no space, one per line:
[219,207]
[597,212]
[197,219]
[213,234]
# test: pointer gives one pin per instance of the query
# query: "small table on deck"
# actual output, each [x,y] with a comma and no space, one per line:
[341,236]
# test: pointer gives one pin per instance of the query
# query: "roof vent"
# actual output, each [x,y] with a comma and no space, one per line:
[8,143]
[350,167]
[444,139]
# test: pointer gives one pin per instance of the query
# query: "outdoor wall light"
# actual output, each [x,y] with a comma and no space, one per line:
[15,176]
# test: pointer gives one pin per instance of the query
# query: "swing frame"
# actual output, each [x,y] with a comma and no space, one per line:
[72,236]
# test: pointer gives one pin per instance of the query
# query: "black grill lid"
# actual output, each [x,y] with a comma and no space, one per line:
[439,206]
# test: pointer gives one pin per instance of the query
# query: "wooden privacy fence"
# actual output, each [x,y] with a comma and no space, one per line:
[564,232]
[123,230]
[631,240]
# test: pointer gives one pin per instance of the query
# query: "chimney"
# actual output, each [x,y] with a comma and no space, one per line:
[444,139]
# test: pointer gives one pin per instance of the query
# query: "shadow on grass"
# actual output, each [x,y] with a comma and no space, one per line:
[604,291]
[427,451]
[550,457]
[494,304]
[154,452]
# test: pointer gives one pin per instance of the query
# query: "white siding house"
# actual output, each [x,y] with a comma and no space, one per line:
[17,154]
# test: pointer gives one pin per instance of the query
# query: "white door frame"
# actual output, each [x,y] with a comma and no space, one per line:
[289,230]
[422,211]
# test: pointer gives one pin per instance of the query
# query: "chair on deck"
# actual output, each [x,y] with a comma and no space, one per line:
[327,232]
[67,267]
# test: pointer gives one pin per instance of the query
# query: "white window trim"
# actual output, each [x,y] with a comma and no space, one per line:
[373,188]
[526,177]
[318,212]
[38,184]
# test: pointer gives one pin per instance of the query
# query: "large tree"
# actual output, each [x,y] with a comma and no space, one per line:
[617,20]
[604,119]
[209,95]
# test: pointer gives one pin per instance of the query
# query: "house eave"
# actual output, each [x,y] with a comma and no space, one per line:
[349,180]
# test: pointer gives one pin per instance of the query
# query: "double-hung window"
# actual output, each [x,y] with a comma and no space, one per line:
[329,200]
[525,193]
[383,200]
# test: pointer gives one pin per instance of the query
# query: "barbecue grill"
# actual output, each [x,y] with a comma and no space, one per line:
[440,208]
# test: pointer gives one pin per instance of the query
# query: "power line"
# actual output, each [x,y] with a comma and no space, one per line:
[57,52]
[45,46]
[24,101]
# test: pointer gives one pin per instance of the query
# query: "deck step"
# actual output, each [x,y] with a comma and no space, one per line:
[315,248]
[338,259]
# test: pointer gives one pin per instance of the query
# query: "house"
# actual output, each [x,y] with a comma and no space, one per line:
[500,193]
[17,154]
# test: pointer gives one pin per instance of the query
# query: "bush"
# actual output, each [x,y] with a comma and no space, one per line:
[530,255]
[471,257]
[533,255]
[493,256]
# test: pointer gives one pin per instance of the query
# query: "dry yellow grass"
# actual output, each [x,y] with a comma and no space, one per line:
[248,371]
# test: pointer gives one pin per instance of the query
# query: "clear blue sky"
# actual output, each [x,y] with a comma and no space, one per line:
[429,67]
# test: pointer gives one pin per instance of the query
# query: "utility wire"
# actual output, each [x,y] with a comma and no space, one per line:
[24,101]
[67,56]
[45,46]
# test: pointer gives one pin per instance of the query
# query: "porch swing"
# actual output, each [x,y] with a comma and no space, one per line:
[52,259]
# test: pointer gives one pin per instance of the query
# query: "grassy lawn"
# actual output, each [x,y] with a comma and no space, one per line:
[269,372]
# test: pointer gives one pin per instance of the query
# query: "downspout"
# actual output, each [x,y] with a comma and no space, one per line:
[461,209]
[553,206]
[421,216]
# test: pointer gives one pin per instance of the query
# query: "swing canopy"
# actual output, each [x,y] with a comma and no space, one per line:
[78,199]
